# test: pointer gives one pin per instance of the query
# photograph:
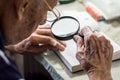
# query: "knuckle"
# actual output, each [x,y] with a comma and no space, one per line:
[80,52]
[37,30]
[80,41]
[32,37]
[102,37]
[92,36]
[108,41]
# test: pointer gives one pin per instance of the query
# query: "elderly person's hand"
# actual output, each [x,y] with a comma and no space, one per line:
[39,41]
[94,54]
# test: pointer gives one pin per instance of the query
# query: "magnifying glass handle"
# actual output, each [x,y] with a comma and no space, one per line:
[81,36]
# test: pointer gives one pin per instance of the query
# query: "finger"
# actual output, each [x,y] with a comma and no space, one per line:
[97,52]
[60,46]
[44,32]
[78,40]
[48,33]
[110,50]
[86,31]
[92,54]
[103,50]
[80,55]
[40,39]
[87,45]
[80,47]
[45,26]
[36,39]
[62,42]
[80,43]
[36,49]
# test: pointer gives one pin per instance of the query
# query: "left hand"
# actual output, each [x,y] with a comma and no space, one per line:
[94,54]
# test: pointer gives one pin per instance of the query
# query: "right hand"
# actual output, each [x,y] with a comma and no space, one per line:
[39,41]
[94,54]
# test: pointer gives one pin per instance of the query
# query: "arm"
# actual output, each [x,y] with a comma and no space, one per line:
[94,54]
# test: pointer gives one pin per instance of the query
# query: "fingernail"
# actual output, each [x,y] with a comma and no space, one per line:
[78,57]
[63,48]
[64,43]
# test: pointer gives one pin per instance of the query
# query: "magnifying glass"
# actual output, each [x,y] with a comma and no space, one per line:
[65,27]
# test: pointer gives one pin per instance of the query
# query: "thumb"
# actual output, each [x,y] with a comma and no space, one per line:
[78,40]
[80,47]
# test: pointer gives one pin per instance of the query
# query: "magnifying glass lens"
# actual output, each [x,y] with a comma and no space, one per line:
[65,27]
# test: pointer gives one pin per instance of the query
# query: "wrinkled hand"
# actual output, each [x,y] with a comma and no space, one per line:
[94,54]
[39,41]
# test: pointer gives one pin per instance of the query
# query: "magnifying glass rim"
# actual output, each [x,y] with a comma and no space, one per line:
[67,36]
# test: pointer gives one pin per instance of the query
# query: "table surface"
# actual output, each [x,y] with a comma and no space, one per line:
[111,29]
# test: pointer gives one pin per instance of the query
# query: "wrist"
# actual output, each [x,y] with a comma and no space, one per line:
[99,75]
[16,48]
